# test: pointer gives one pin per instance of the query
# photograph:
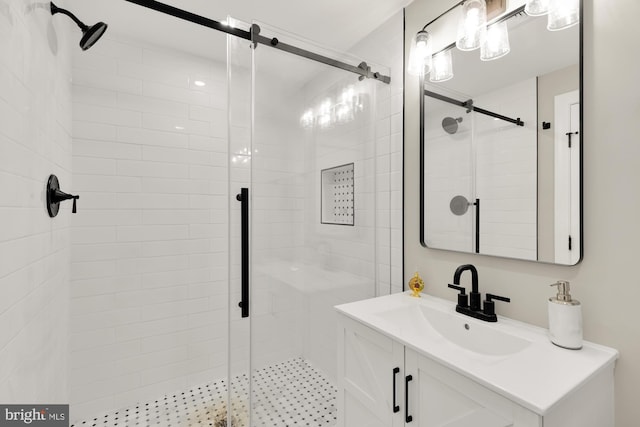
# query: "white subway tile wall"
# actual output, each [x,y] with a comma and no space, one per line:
[506,178]
[149,250]
[386,46]
[35,141]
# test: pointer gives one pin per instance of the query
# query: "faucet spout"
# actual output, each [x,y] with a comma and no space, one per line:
[474,276]
[471,307]
[474,295]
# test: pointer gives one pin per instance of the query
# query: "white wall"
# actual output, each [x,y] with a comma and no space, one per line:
[149,259]
[605,282]
[35,141]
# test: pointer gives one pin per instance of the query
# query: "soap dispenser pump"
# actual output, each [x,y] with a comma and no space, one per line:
[565,318]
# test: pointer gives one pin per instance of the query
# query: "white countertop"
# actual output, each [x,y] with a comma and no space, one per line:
[537,377]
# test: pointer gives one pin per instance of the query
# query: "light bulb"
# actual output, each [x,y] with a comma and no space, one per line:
[563,14]
[472,25]
[536,7]
[347,95]
[324,114]
[420,55]
[306,121]
[343,113]
[324,120]
[442,69]
[495,43]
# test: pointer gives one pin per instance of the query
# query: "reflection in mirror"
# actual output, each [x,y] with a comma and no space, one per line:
[502,139]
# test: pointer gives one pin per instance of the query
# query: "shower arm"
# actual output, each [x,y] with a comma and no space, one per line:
[55,9]
[253,35]
[470,107]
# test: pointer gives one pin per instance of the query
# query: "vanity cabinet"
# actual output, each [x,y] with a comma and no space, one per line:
[375,371]
[440,397]
[371,377]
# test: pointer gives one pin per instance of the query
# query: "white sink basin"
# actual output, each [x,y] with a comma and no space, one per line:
[471,334]
[509,357]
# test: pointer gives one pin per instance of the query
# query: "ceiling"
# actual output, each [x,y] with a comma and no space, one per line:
[337,24]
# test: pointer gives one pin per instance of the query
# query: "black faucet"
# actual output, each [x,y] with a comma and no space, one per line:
[472,307]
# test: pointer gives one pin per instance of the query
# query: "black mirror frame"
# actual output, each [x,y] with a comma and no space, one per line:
[422,154]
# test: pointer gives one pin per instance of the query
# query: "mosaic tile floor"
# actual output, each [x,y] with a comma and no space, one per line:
[291,393]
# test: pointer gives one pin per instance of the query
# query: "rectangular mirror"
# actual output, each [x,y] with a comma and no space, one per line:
[501,158]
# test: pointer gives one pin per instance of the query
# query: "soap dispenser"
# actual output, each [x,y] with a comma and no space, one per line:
[565,318]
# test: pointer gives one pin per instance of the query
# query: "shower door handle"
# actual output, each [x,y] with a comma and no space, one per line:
[243,198]
[477,204]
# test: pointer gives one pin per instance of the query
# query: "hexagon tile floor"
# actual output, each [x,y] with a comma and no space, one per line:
[290,394]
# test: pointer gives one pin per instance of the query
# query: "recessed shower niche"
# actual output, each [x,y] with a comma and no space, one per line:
[337,204]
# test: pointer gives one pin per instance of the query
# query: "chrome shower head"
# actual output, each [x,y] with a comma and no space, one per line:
[450,125]
[90,34]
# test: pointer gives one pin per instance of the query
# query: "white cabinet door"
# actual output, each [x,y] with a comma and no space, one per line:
[440,397]
[368,365]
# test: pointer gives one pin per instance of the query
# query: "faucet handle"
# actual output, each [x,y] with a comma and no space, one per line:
[490,305]
[457,288]
[463,298]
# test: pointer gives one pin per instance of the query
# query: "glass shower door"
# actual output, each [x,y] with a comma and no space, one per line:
[239,167]
[313,220]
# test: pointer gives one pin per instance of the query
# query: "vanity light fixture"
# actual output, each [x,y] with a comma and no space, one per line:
[472,25]
[495,43]
[306,121]
[343,108]
[420,55]
[442,67]
[473,32]
[536,7]
[563,14]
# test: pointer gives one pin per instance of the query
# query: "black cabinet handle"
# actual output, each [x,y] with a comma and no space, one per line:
[243,197]
[396,407]
[407,418]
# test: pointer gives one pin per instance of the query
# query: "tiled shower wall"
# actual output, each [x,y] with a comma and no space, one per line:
[448,173]
[35,141]
[385,46]
[506,178]
[349,258]
[149,259]
[475,166]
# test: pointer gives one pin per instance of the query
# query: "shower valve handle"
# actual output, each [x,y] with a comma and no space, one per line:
[55,196]
[59,196]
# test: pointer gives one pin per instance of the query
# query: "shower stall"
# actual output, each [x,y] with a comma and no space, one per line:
[228,201]
[477,201]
